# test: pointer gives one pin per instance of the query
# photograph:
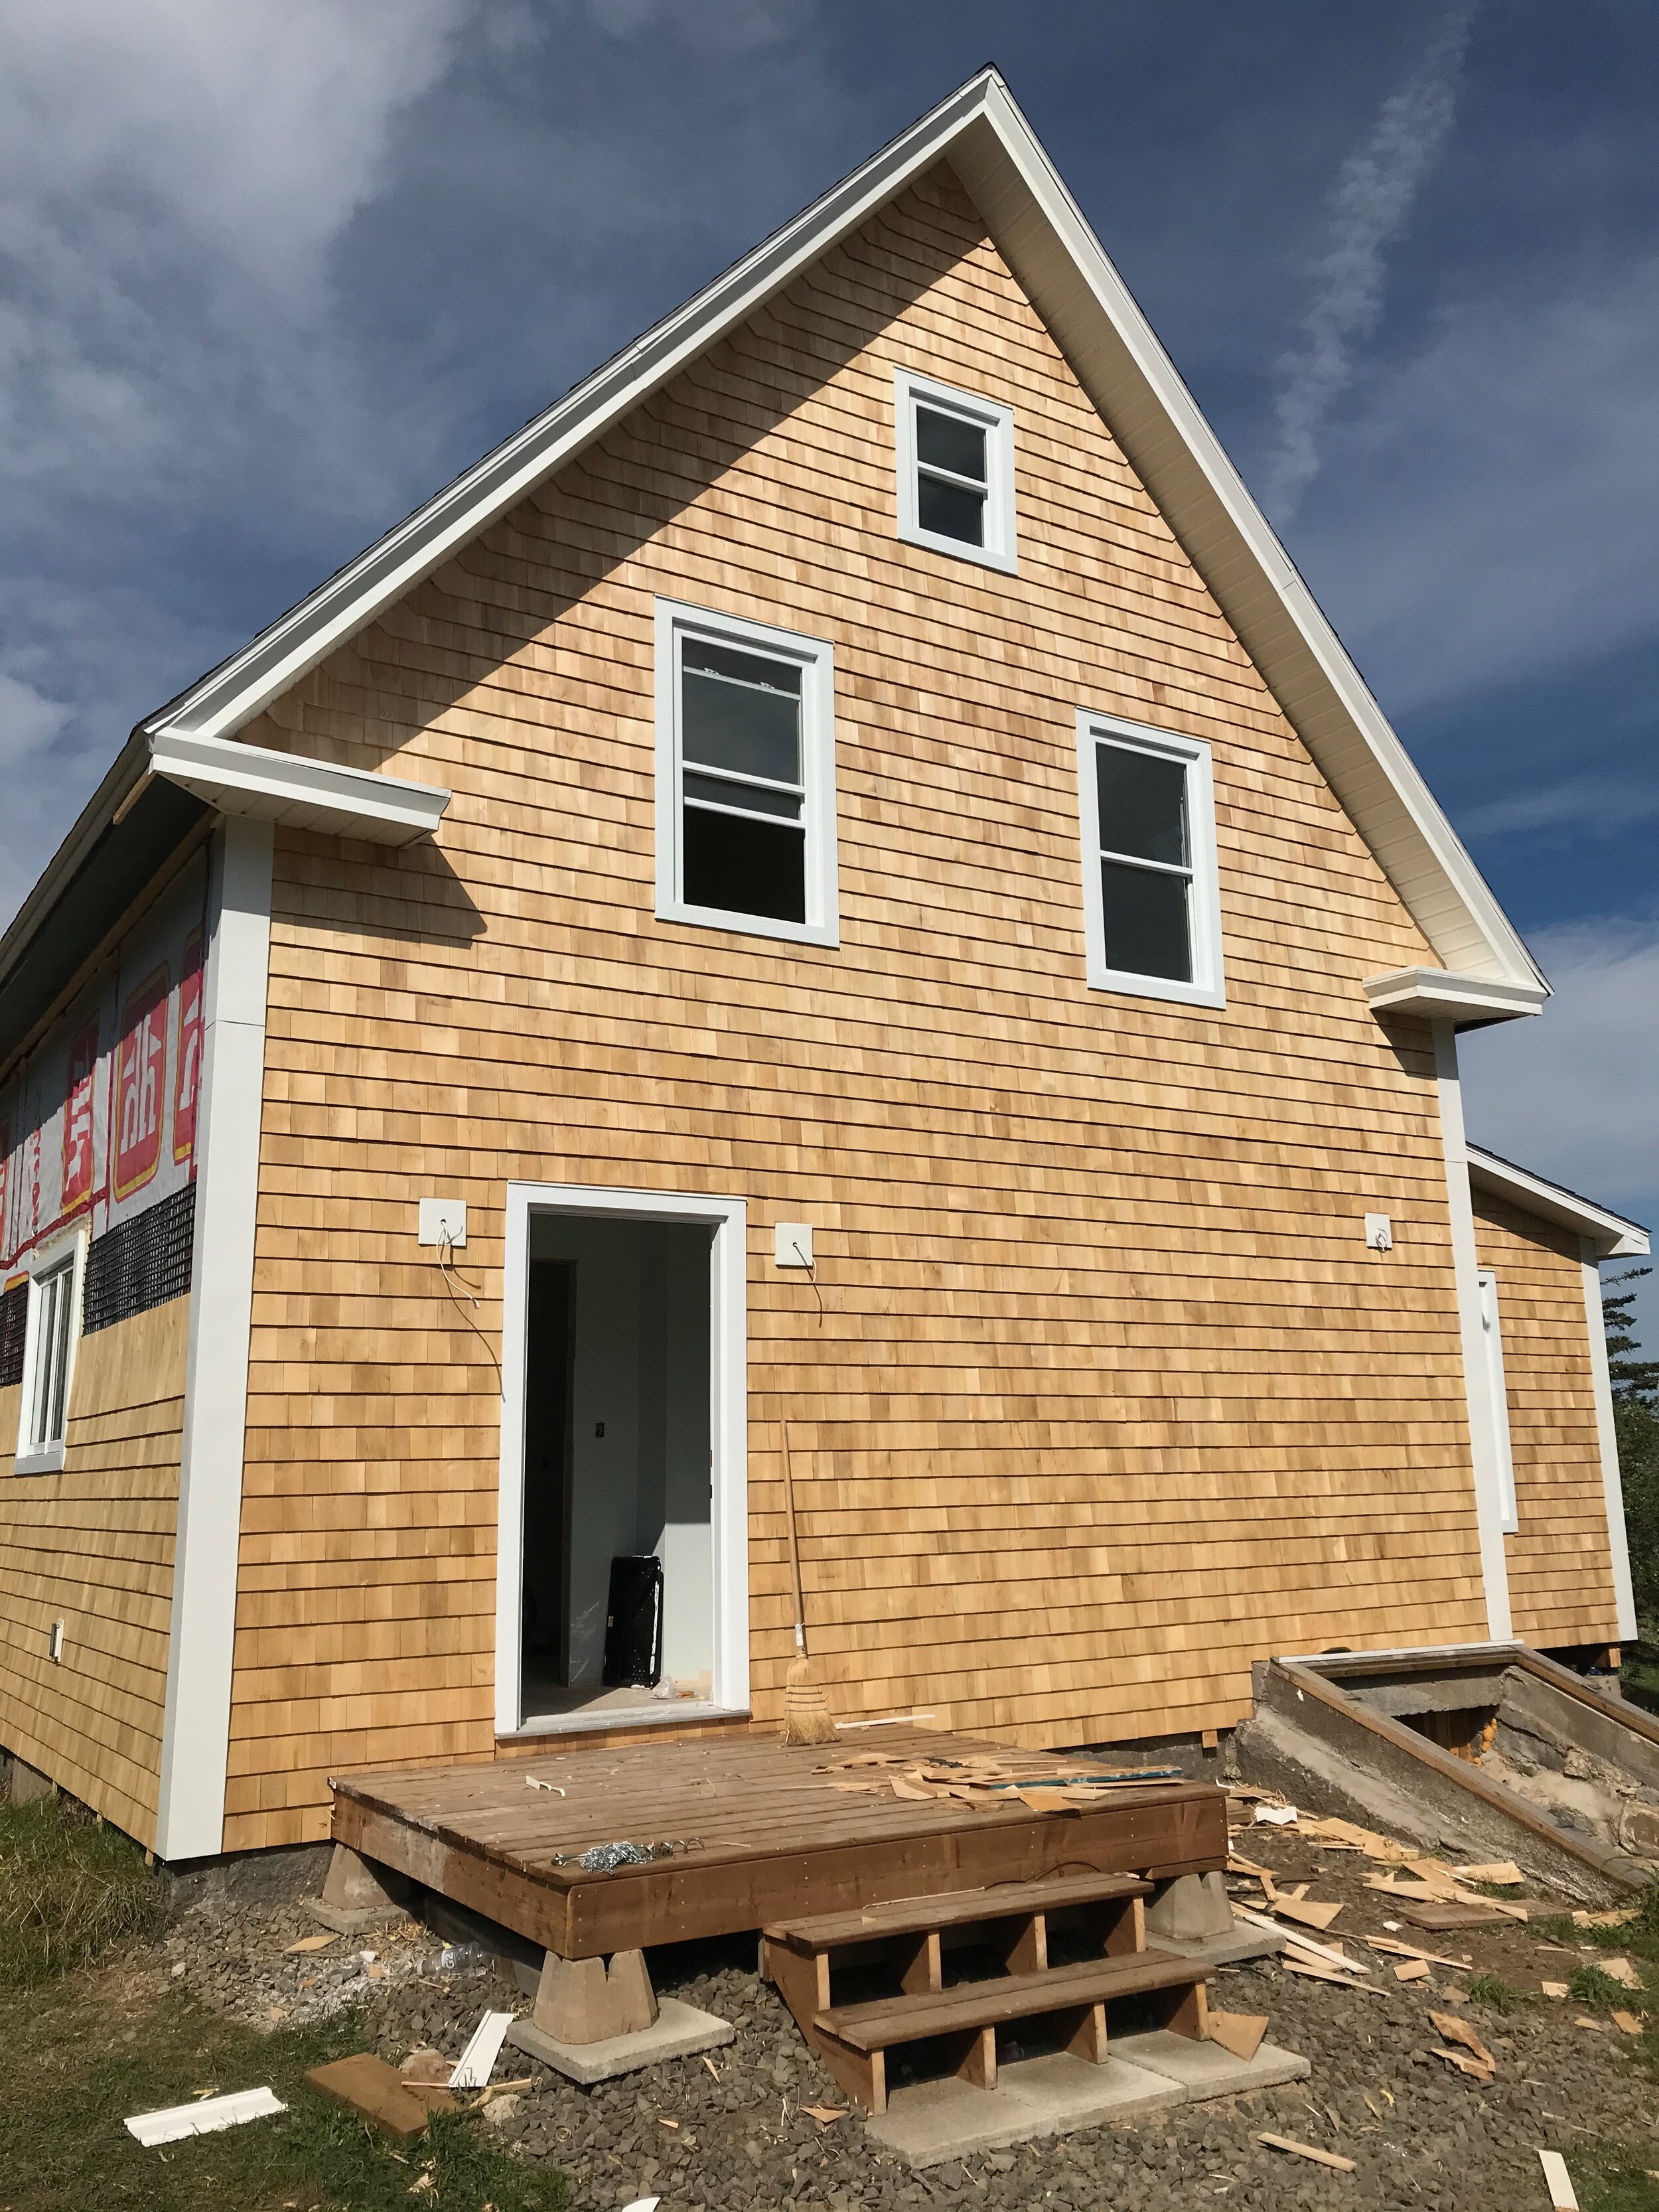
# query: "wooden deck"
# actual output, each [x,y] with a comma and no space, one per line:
[763,1833]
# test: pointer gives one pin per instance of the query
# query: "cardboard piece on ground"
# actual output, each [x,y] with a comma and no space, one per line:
[205,2116]
[1306,2150]
[1626,2023]
[1563,2196]
[1411,1969]
[317,1943]
[368,2086]
[1459,2030]
[1307,1912]
[1241,2033]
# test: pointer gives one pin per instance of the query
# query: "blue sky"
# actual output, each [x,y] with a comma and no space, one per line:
[269,274]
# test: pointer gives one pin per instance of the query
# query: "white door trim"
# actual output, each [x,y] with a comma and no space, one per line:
[728,1417]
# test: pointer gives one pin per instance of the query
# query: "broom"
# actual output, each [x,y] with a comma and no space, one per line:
[806,1716]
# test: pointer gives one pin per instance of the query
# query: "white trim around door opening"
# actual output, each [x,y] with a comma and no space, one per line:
[728,1386]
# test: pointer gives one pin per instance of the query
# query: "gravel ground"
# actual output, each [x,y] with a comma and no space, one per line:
[730,2132]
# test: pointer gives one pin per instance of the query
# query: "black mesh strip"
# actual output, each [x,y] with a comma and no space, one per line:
[14,1324]
[143,1263]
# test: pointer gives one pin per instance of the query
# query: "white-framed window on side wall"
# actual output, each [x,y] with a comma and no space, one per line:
[1491,1338]
[1152,899]
[746,777]
[956,471]
[54,1327]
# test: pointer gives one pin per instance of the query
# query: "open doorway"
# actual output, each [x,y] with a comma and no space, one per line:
[621,1475]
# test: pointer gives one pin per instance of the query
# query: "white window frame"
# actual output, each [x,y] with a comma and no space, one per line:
[46,1456]
[816,658]
[1492,1335]
[1207,988]
[1000,549]
[728,1466]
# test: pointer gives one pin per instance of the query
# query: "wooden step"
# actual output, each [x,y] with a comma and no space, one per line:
[908,1916]
[853,2040]
[798,1955]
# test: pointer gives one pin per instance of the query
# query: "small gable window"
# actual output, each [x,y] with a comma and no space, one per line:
[746,777]
[1150,893]
[956,471]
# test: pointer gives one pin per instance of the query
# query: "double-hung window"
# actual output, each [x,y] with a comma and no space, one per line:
[47,1353]
[956,471]
[1150,900]
[745,777]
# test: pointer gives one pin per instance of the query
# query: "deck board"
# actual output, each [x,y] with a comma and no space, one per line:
[765,1835]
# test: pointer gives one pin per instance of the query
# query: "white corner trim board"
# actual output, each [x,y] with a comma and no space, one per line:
[207,2116]
[1613,1488]
[1483,1440]
[728,1437]
[196,1727]
[275,787]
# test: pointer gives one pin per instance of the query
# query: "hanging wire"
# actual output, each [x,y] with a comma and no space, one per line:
[445,1247]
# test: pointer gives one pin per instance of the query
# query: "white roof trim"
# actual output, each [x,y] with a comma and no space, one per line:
[1613,1237]
[1046,240]
[1440,993]
[273,786]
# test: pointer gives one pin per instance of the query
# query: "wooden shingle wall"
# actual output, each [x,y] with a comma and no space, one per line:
[1561,1588]
[1108,1394]
[93,1546]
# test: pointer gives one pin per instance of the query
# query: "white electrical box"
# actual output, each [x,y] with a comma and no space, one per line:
[55,1643]
[443,1221]
[1379,1232]
[791,1244]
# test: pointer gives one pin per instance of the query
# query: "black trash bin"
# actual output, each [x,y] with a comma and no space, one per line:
[633,1624]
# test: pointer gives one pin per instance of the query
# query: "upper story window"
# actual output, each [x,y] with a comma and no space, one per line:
[746,777]
[1150,900]
[47,1350]
[956,471]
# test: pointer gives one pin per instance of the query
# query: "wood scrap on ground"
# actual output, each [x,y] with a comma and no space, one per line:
[1563,2196]
[1306,1911]
[1308,2150]
[1396,1949]
[320,1942]
[1621,1970]
[368,2086]
[1472,2056]
[1411,1969]
[1554,1989]
[1239,2033]
[1626,2022]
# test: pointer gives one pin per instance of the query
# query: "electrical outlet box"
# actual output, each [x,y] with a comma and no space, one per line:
[55,1643]
[443,1221]
[792,1243]
[1379,1232]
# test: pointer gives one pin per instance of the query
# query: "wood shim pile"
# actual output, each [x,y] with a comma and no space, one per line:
[986,1783]
[1413,1880]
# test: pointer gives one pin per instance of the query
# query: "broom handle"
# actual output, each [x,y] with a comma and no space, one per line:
[794,1545]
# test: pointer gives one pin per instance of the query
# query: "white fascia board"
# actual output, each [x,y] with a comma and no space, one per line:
[1611,1234]
[1044,236]
[253,781]
[1440,993]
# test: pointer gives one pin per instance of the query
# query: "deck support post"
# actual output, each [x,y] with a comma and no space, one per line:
[354,1886]
[589,2001]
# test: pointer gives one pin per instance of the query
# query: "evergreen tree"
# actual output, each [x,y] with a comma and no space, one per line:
[1636,1422]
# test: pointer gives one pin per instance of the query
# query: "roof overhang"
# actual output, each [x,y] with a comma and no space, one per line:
[1442,995]
[310,794]
[1612,1235]
[1054,254]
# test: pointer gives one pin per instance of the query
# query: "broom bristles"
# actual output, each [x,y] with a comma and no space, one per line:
[806,1715]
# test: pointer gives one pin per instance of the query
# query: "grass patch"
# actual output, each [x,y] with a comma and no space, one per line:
[1615,2177]
[1639,1937]
[71,1891]
[80,2059]
[1492,1989]
[1591,1986]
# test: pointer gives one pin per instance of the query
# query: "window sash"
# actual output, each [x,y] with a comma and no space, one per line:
[1201,985]
[49,1379]
[990,494]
